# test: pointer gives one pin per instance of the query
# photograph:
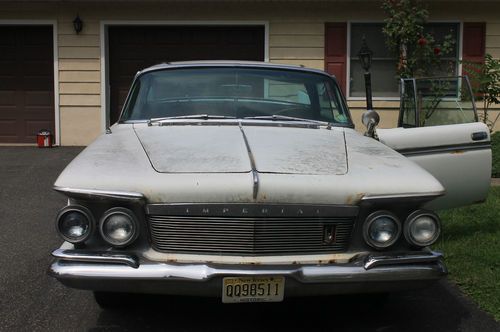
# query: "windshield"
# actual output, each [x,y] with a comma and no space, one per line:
[235,92]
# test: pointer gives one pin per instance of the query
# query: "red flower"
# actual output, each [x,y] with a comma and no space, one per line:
[437,50]
[422,41]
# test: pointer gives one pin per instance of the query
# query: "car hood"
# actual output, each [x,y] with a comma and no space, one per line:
[241,148]
[295,166]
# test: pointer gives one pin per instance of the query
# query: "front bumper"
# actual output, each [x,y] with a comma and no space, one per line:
[119,272]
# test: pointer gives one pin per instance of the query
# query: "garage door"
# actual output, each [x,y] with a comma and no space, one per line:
[132,48]
[26,82]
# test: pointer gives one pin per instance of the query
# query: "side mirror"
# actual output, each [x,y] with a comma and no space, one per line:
[370,119]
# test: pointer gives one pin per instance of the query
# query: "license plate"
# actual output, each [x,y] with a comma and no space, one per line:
[253,289]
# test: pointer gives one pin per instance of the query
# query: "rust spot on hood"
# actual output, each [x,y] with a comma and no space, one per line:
[351,199]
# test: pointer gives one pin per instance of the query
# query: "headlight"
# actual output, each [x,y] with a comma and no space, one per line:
[422,228]
[381,229]
[75,223]
[119,227]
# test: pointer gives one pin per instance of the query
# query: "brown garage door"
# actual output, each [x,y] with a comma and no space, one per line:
[26,82]
[132,48]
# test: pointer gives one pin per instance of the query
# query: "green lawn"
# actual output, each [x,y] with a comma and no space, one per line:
[470,241]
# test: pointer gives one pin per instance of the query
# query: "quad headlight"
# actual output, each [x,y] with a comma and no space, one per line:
[381,229]
[119,227]
[75,223]
[422,228]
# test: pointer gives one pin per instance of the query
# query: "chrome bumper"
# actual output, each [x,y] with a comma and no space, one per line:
[111,271]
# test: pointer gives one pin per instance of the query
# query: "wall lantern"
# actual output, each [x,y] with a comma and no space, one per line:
[78,24]
[365,57]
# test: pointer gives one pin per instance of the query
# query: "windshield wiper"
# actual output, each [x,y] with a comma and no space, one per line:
[192,116]
[275,117]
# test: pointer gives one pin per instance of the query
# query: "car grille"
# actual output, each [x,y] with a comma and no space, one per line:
[248,236]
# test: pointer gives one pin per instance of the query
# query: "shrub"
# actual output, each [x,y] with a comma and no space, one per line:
[495,142]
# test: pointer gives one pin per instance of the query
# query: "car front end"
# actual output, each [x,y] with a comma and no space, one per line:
[248,207]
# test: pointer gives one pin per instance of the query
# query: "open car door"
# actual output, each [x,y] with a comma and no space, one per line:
[439,131]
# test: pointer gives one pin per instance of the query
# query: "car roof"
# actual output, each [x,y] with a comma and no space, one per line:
[228,63]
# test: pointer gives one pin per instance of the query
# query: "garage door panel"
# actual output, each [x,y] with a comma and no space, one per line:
[33,126]
[36,83]
[121,67]
[37,68]
[122,95]
[132,48]
[35,53]
[38,98]
[8,128]
[7,53]
[8,36]
[167,38]
[7,98]
[37,36]
[7,68]
[7,82]
[26,82]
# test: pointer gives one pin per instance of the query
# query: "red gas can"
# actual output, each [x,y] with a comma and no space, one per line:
[44,139]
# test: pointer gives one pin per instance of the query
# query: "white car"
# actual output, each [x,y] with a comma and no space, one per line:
[247,181]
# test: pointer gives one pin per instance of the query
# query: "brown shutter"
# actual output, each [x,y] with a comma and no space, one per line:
[336,51]
[474,42]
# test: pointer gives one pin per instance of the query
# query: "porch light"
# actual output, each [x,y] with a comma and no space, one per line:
[78,24]
[365,57]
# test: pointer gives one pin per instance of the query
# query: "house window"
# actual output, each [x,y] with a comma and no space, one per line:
[385,80]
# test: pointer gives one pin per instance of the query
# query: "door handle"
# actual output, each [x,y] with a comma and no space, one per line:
[479,136]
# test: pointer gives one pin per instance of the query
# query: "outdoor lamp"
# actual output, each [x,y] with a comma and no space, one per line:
[78,24]
[365,57]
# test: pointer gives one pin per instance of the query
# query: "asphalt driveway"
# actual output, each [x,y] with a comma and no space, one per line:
[30,300]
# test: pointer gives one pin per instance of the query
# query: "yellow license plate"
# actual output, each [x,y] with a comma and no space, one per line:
[253,289]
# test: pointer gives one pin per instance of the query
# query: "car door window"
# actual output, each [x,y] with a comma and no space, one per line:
[426,102]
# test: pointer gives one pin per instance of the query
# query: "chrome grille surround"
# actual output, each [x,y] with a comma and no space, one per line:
[226,230]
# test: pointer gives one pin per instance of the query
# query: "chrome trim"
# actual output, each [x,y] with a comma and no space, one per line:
[229,64]
[255,180]
[96,193]
[407,196]
[255,173]
[123,211]
[385,260]
[244,122]
[83,210]
[445,149]
[247,236]
[411,219]
[75,255]
[107,266]
[251,210]
[374,216]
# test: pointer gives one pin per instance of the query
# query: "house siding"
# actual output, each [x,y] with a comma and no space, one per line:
[296,36]
[79,82]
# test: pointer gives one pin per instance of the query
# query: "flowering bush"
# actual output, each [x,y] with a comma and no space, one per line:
[485,82]
[418,52]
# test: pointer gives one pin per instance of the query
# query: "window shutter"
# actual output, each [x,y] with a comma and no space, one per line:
[474,40]
[336,51]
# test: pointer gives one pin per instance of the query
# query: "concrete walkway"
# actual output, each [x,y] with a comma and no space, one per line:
[495,182]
